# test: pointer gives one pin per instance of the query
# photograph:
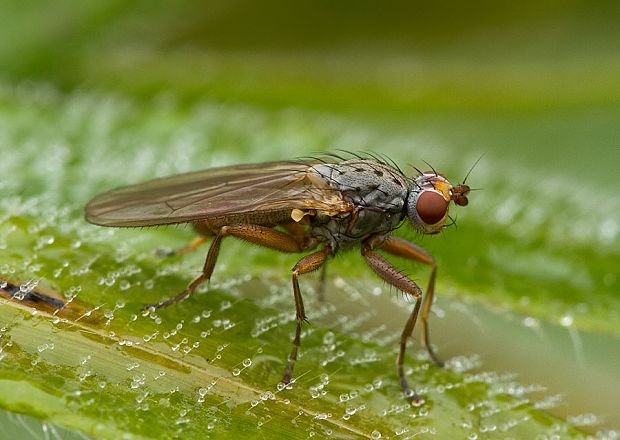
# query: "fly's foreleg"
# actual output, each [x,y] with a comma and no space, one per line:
[390,274]
[402,248]
[307,264]
[260,235]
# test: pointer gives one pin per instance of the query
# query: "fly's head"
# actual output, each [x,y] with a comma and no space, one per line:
[429,201]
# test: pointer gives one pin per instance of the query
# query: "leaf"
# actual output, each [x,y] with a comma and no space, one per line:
[212,364]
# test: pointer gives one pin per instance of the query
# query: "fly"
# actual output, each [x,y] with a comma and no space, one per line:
[316,206]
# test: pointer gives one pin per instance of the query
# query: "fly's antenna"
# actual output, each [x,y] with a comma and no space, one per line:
[472,168]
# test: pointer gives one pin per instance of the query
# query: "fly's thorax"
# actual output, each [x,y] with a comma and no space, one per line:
[367,183]
[428,202]
[377,192]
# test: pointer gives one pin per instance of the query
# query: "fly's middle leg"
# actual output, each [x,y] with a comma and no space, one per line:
[307,264]
[297,230]
[260,235]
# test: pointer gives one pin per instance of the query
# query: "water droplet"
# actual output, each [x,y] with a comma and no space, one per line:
[329,338]
[566,321]
[225,305]
[531,322]
[44,240]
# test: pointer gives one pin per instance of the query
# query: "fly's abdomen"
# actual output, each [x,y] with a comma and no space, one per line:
[262,218]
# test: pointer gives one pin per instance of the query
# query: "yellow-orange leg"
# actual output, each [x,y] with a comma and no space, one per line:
[189,247]
[307,264]
[298,231]
[405,249]
[204,233]
[390,274]
[260,235]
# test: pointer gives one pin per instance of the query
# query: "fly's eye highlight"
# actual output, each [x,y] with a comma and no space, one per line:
[431,207]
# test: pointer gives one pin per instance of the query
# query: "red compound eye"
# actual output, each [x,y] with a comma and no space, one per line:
[431,207]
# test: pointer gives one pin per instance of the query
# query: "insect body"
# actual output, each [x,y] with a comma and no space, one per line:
[319,205]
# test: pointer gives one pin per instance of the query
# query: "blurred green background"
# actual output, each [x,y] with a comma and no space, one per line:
[99,94]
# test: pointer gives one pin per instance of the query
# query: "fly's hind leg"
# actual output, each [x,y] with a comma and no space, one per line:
[260,235]
[189,247]
[307,264]
[202,228]
[402,248]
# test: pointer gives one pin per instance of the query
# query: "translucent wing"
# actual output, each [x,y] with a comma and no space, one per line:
[217,193]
